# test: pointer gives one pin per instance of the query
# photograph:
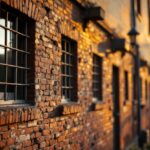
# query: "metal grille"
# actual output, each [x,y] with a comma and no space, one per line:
[14,53]
[97,78]
[68,69]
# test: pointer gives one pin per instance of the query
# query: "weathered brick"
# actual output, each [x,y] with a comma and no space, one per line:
[76,125]
[10,141]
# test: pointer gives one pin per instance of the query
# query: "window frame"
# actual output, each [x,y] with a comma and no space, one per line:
[98,98]
[28,51]
[72,67]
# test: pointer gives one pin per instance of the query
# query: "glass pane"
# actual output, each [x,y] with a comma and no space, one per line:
[11,56]
[68,81]
[63,57]
[29,45]
[63,69]
[11,74]
[63,81]
[11,39]
[68,47]
[21,76]
[68,96]
[70,71]
[21,42]
[2,91]
[2,17]
[10,95]
[21,59]
[67,70]
[2,55]
[2,36]
[11,23]
[21,26]
[20,93]
[67,59]
[63,93]
[2,73]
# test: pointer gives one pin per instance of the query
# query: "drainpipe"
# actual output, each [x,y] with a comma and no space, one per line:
[135,48]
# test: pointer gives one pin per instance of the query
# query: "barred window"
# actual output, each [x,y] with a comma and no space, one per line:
[97,78]
[69,69]
[126,86]
[16,67]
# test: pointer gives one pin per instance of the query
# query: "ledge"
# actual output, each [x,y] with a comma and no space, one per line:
[66,109]
[96,106]
[17,113]
[72,108]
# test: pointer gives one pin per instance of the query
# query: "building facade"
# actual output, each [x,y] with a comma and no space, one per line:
[61,86]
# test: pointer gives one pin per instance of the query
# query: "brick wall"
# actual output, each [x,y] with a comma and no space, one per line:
[49,124]
[145,105]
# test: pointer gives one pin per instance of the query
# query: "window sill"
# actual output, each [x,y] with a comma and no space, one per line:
[71,108]
[126,102]
[95,106]
[67,109]
[17,113]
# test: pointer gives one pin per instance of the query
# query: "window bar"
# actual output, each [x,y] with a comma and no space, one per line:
[16,77]
[16,49]
[26,64]
[15,31]
[6,55]
[65,46]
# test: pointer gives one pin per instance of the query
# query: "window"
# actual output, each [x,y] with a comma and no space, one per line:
[146,90]
[97,78]
[16,67]
[139,7]
[135,87]
[126,86]
[141,85]
[69,69]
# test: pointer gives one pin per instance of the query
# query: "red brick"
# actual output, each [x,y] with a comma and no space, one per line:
[2,144]
[46,132]
[10,141]
[5,135]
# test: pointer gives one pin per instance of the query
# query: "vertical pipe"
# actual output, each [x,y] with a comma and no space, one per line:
[139,92]
[133,19]
[135,47]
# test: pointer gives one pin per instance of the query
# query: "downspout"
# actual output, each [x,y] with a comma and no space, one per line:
[135,48]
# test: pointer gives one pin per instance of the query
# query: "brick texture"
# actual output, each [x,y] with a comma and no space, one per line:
[53,125]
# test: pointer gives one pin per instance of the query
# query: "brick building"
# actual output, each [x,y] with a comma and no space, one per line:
[62,85]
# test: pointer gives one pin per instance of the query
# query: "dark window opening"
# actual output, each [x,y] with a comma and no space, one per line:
[97,78]
[16,56]
[139,12]
[135,87]
[146,90]
[69,69]
[126,86]
[141,92]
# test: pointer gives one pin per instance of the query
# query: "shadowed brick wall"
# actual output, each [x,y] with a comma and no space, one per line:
[49,124]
